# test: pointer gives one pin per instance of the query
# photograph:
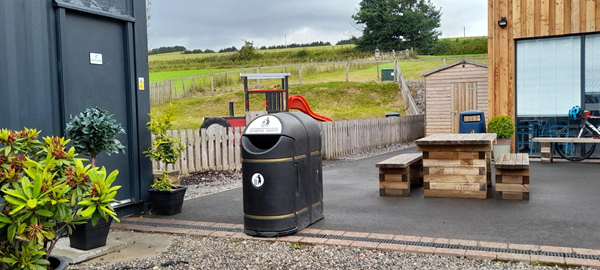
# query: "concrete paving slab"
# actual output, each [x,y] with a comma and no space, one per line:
[74,256]
[138,246]
[562,211]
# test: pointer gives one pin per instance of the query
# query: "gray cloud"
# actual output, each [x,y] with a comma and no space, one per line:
[201,24]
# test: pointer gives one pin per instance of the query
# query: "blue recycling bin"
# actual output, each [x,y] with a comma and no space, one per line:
[474,122]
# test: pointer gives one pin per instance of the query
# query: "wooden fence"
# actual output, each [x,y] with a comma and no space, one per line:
[220,149]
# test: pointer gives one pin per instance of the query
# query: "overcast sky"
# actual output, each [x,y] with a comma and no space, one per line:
[216,24]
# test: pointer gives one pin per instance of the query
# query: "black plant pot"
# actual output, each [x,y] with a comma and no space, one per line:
[86,236]
[57,263]
[167,203]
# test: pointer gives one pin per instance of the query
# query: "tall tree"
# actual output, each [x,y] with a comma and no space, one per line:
[397,24]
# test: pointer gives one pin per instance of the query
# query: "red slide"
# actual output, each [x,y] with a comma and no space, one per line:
[299,103]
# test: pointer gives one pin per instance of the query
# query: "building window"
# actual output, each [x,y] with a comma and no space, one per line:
[549,83]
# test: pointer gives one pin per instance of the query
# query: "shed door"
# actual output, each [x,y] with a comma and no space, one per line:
[464,98]
[104,85]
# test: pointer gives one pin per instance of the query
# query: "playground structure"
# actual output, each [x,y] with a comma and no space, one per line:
[276,100]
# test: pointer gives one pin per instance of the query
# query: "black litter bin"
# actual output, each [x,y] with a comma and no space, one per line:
[282,174]
[471,122]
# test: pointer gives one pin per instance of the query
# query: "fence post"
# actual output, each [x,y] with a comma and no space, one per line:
[347,71]
[444,61]
[183,84]
[257,80]
[300,74]
[212,83]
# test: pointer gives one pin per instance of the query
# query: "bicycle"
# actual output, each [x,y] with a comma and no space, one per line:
[578,151]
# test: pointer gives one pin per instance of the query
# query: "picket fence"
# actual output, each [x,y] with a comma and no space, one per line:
[220,149]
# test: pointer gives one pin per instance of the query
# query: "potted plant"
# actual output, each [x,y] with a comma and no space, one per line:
[167,197]
[92,132]
[46,193]
[504,128]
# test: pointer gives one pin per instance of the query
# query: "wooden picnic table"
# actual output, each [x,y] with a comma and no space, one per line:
[457,165]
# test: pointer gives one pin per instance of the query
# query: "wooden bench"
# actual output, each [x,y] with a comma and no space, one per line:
[398,173]
[548,145]
[512,176]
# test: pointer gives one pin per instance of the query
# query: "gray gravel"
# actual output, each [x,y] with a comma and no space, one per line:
[202,184]
[192,252]
[375,152]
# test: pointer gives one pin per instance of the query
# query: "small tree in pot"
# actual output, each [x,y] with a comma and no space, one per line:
[45,193]
[94,131]
[504,128]
[166,196]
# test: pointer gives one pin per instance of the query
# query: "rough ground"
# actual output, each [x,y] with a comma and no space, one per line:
[417,89]
[204,183]
[192,252]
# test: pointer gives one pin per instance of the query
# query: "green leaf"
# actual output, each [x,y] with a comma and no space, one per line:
[42,262]
[12,229]
[17,209]
[8,260]
[44,212]
[89,211]
[32,203]
[15,201]
[37,187]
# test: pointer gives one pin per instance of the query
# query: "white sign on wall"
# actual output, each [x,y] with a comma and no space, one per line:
[265,125]
[96,58]
[141,84]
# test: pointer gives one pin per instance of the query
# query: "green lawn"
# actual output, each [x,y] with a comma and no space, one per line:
[337,100]
[169,75]
[180,56]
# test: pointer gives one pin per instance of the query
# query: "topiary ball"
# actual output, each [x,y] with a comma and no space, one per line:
[502,125]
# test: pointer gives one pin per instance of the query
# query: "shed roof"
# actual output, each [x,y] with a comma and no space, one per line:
[464,61]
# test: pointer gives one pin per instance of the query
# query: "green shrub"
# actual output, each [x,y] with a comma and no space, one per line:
[94,131]
[165,149]
[46,191]
[502,125]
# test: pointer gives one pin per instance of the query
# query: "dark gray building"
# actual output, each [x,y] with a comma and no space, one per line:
[59,57]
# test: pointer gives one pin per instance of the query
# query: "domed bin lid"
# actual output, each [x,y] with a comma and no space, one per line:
[300,127]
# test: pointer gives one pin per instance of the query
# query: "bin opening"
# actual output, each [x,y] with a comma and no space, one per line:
[471,118]
[260,143]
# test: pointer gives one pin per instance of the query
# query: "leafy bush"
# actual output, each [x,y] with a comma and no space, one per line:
[502,125]
[94,131]
[165,149]
[457,46]
[46,192]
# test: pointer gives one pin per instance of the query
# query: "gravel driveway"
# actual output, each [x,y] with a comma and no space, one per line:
[191,252]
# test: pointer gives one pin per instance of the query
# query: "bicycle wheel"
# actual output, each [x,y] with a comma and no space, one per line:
[575,151]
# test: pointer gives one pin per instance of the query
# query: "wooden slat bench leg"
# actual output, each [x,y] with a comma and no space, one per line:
[512,184]
[394,182]
[546,152]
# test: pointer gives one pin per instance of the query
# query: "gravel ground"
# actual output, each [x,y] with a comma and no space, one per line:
[191,252]
[375,152]
[201,184]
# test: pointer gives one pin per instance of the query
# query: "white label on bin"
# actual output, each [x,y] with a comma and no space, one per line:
[258,180]
[265,125]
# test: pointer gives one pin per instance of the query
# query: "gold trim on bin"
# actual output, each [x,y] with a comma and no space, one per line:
[268,160]
[316,204]
[315,153]
[279,216]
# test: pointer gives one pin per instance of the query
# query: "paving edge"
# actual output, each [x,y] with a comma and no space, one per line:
[545,255]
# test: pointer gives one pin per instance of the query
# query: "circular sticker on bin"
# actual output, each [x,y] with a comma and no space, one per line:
[258,180]
[264,125]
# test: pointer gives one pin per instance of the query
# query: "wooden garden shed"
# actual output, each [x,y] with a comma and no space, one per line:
[452,89]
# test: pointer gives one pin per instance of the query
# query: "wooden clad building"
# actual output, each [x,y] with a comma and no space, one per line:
[544,59]
[452,89]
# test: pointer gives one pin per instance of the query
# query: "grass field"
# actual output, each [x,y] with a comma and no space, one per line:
[337,100]
[181,56]
[170,75]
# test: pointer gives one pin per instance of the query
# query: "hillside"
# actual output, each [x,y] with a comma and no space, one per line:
[340,101]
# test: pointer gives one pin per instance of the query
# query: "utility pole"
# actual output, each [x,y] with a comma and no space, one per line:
[286,41]
[465,31]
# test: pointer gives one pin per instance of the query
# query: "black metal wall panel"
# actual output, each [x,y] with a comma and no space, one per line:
[34,82]
[28,68]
